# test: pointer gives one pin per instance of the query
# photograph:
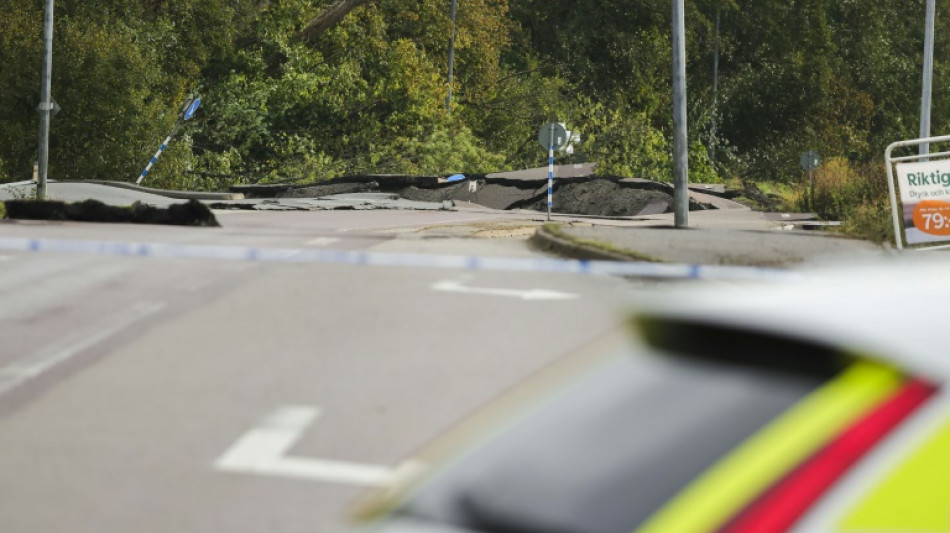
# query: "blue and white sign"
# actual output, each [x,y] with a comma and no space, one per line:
[190,112]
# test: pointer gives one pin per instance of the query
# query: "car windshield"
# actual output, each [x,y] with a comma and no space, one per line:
[605,454]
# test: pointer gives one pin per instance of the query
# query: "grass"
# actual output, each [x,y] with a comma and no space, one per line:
[557,231]
[856,195]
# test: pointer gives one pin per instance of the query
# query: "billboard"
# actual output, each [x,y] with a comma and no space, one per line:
[925,198]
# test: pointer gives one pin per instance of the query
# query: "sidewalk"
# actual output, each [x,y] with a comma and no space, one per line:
[713,237]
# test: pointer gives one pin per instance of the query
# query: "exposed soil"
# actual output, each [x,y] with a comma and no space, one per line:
[597,197]
[604,198]
[190,213]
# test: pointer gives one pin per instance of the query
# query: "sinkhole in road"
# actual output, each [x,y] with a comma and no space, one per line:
[590,195]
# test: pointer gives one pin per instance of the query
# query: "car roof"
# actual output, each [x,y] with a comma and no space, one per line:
[893,311]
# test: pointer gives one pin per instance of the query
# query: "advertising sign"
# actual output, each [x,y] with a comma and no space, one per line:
[925,195]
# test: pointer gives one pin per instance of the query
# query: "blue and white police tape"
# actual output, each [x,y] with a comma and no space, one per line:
[304,255]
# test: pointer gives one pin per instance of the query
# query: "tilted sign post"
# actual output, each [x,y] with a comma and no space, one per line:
[919,186]
[188,111]
[551,136]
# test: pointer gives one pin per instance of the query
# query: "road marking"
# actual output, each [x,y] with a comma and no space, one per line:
[5,258]
[263,451]
[527,295]
[322,241]
[20,371]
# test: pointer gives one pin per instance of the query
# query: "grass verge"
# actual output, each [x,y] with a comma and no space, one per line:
[605,248]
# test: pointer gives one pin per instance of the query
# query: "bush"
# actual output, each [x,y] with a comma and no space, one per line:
[855,195]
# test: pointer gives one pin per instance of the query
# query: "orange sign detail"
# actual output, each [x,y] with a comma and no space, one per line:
[933,217]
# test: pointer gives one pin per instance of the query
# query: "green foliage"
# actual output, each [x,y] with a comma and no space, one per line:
[624,143]
[368,95]
[857,196]
[444,149]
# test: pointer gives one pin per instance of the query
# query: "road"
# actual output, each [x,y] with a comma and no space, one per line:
[157,394]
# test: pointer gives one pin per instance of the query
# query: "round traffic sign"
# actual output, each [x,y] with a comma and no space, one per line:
[810,160]
[552,134]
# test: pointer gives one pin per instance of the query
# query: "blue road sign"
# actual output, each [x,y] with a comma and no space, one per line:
[190,112]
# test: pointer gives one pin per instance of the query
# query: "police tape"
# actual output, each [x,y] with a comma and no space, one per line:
[303,255]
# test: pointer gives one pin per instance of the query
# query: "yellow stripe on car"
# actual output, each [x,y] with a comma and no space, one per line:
[915,497]
[731,484]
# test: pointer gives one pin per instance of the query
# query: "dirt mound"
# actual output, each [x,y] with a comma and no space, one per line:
[602,197]
[191,213]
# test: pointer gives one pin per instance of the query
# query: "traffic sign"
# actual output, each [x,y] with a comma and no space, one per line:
[555,132]
[810,160]
[190,112]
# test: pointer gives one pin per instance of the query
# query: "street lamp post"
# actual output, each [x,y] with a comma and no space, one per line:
[680,148]
[928,76]
[448,99]
[46,102]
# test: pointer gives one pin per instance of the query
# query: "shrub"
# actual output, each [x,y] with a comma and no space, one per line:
[855,195]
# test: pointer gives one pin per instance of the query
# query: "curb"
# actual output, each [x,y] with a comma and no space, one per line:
[560,244]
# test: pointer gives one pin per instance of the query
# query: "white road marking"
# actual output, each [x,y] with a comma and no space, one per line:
[5,258]
[20,371]
[263,451]
[322,241]
[528,295]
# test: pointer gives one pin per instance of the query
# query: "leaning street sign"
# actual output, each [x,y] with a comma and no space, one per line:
[190,112]
[919,186]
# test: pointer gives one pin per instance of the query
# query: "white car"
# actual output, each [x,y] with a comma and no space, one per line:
[812,405]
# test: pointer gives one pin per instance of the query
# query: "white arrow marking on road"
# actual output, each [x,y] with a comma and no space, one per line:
[263,451]
[532,294]
[322,241]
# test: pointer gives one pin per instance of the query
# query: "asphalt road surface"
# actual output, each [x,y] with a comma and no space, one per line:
[199,395]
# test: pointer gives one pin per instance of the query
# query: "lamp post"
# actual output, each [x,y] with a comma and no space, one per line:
[448,99]
[46,102]
[680,148]
[928,76]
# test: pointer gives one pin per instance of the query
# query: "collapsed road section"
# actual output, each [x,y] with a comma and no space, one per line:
[576,191]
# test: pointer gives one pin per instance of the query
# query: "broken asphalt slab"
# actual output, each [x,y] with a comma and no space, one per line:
[576,191]
[336,202]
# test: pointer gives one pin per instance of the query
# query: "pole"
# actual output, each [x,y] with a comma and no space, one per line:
[680,153]
[928,76]
[715,117]
[551,173]
[158,153]
[448,99]
[46,102]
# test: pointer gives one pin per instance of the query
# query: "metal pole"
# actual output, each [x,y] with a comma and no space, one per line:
[551,173]
[448,99]
[714,140]
[928,76]
[680,148]
[46,102]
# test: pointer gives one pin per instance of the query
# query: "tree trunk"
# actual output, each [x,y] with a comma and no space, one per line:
[330,16]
